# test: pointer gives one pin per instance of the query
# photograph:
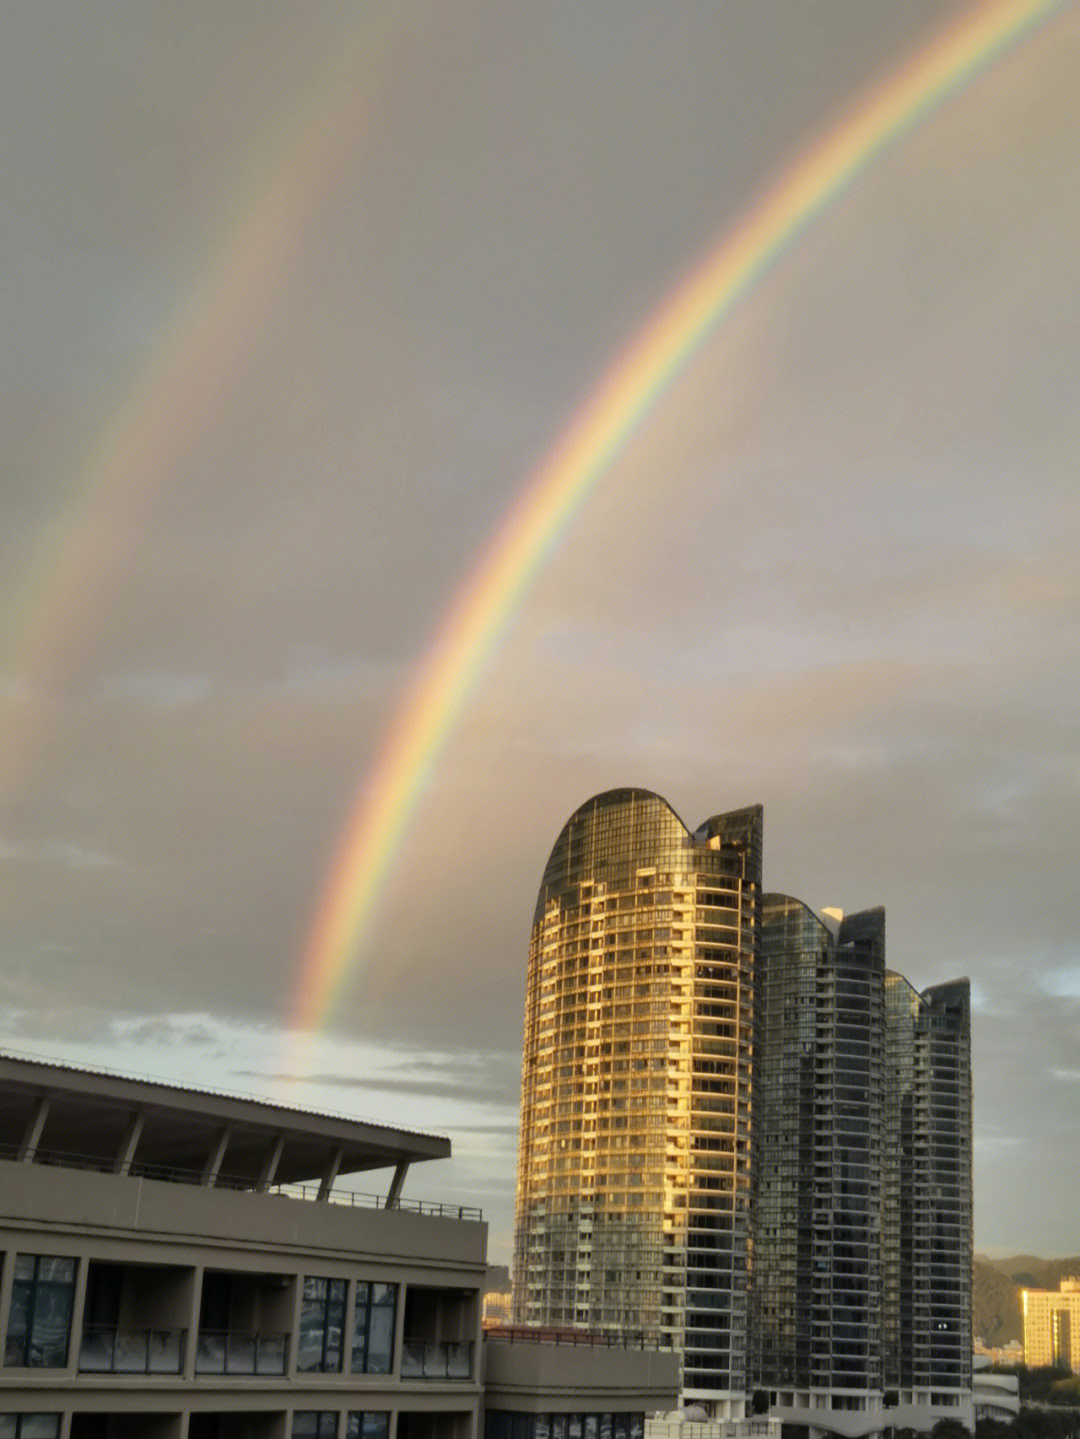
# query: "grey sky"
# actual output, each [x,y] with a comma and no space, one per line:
[374,260]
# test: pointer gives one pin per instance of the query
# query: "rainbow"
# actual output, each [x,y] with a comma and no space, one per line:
[392,789]
[204,341]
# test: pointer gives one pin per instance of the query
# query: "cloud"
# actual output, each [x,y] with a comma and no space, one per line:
[161,689]
[59,852]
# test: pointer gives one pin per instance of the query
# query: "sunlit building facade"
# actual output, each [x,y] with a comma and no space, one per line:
[1052,1326]
[634,1163]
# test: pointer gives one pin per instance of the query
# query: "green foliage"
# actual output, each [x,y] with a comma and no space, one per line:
[1053,1385]
[949,1429]
[1031,1423]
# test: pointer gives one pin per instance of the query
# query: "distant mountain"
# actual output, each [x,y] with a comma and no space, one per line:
[995,1305]
[995,1291]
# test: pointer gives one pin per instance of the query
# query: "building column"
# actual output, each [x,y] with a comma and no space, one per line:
[32,1134]
[130,1142]
[270,1164]
[213,1164]
[330,1173]
[397,1184]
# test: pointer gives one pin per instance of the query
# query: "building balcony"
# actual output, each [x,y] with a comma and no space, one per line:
[221,1351]
[109,1350]
[435,1359]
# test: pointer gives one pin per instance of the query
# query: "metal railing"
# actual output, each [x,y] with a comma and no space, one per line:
[524,1334]
[108,1350]
[431,1359]
[173,1174]
[226,1351]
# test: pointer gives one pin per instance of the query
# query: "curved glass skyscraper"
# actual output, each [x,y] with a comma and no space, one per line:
[823,1254]
[634,1161]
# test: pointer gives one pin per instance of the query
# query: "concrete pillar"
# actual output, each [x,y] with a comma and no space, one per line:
[32,1134]
[397,1184]
[270,1164]
[213,1164]
[129,1143]
[330,1173]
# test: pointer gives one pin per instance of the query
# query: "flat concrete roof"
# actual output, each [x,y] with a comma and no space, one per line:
[55,1113]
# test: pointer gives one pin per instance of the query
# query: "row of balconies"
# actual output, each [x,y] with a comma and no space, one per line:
[129,1318]
[109,1350]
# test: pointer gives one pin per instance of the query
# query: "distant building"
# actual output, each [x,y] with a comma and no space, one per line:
[176,1264]
[1052,1326]
[498,1306]
[994,1396]
[634,1162]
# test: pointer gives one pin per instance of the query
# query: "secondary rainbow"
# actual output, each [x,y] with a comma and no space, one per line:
[392,788]
[187,373]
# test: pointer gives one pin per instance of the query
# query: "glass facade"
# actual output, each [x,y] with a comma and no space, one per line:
[634,1164]
[39,1320]
[862,1167]
[818,1137]
[314,1424]
[29,1426]
[511,1424]
[927,1177]
[367,1425]
[373,1328]
[322,1325]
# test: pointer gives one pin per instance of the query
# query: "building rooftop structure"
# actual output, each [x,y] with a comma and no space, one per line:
[161,1277]
[78,1118]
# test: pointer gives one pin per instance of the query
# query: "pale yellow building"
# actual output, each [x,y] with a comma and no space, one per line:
[1052,1326]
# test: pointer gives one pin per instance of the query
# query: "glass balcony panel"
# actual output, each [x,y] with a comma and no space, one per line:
[412,1359]
[130,1352]
[240,1354]
[95,1354]
[165,1353]
[272,1355]
[210,1353]
[429,1359]
[459,1361]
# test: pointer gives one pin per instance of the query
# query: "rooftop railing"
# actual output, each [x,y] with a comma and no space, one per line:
[524,1334]
[174,1174]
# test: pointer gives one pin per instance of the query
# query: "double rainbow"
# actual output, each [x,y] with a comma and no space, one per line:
[392,788]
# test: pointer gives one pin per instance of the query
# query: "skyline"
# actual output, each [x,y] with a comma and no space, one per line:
[301,304]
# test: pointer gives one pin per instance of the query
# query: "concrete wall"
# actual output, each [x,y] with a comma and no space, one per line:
[562,1378]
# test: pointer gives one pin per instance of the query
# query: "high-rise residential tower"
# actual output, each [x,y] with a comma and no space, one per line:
[634,1162]
[927,1236]
[818,1110]
[741,1135]
[861,1181]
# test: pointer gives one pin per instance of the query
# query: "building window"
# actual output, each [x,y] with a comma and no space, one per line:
[368,1426]
[29,1426]
[373,1329]
[322,1320]
[39,1321]
[314,1424]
